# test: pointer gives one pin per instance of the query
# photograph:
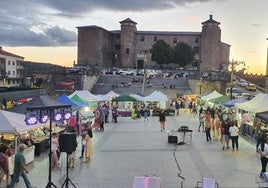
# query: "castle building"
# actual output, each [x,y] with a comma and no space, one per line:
[10,69]
[129,47]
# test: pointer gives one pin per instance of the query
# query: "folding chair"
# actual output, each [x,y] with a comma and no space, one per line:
[207,183]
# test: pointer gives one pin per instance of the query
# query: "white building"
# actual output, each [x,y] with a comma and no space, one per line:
[10,69]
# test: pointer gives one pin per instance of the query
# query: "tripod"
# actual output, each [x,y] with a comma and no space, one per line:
[50,183]
[67,180]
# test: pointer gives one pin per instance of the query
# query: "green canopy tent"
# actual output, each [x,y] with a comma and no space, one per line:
[220,99]
[76,98]
[124,98]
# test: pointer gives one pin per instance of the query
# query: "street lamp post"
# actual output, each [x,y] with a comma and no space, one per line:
[200,84]
[266,76]
[144,73]
[233,64]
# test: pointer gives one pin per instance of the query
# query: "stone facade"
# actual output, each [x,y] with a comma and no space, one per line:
[129,48]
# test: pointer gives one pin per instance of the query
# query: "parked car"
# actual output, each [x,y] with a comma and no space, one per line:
[251,87]
[244,96]
[235,92]
[242,83]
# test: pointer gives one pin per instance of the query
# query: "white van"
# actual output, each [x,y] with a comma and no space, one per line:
[235,92]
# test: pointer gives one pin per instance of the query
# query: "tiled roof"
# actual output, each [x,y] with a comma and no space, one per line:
[211,20]
[2,52]
[128,20]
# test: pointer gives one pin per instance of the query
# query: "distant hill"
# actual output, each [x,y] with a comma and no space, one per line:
[37,67]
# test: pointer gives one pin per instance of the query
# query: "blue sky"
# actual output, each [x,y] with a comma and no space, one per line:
[45,30]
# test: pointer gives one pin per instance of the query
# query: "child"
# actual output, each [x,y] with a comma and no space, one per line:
[145,116]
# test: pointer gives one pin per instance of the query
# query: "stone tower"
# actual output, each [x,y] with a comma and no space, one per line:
[128,43]
[210,45]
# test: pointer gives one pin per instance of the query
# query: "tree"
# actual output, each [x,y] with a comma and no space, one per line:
[161,53]
[183,54]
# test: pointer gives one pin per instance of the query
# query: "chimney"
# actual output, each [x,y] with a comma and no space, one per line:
[210,16]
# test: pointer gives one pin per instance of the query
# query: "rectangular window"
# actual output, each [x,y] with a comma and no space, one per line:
[13,63]
[117,46]
[142,38]
[14,81]
[8,62]
[174,40]
[196,40]
[196,49]
[127,50]
[155,39]
[13,73]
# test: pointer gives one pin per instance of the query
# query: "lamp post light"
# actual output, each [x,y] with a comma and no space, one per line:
[233,64]
[200,84]
[144,72]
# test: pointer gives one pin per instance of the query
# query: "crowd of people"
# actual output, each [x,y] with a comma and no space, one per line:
[226,127]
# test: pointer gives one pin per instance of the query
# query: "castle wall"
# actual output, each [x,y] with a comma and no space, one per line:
[124,48]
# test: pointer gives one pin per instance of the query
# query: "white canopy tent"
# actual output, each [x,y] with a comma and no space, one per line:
[214,94]
[255,105]
[12,123]
[85,94]
[112,94]
[157,96]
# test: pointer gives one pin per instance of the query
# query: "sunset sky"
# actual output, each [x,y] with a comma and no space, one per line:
[45,30]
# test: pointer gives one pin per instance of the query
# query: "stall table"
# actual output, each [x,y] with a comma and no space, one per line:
[41,146]
[124,113]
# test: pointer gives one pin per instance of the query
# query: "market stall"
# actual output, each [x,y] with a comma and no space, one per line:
[211,95]
[13,130]
[39,132]
[124,104]
[262,119]
[252,107]
[158,101]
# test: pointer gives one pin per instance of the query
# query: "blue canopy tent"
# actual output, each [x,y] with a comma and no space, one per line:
[232,103]
[66,100]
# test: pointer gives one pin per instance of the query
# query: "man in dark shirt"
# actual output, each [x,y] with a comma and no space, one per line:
[226,134]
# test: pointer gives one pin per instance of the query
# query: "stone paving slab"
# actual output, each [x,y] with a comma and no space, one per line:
[135,148]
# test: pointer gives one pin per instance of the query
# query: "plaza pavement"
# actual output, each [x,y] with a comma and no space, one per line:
[134,148]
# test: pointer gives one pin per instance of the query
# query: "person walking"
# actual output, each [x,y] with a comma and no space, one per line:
[54,149]
[114,114]
[4,162]
[20,168]
[245,120]
[201,121]
[258,135]
[263,151]
[106,111]
[86,130]
[145,116]
[208,123]
[234,134]
[162,119]
[216,127]
[226,134]
[88,147]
